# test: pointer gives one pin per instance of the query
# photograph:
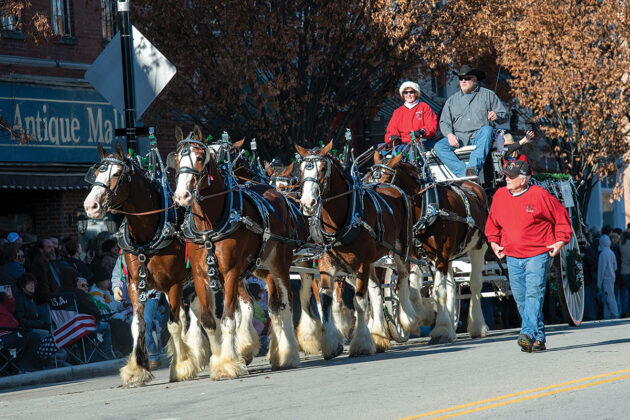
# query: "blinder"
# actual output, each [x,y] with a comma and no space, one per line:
[103,165]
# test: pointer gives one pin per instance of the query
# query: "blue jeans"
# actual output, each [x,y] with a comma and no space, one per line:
[482,140]
[105,330]
[153,320]
[528,279]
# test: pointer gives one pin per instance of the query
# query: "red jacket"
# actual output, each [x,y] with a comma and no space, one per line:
[405,120]
[524,225]
[6,315]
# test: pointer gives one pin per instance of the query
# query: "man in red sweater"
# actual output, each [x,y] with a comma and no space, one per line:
[413,115]
[529,226]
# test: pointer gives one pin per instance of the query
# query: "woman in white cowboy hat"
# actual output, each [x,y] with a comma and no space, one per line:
[413,115]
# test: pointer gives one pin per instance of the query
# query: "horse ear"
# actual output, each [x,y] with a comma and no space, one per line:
[119,150]
[326,149]
[197,133]
[239,144]
[392,163]
[101,152]
[286,172]
[377,158]
[302,151]
[179,134]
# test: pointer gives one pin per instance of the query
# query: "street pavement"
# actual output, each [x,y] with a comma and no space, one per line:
[585,374]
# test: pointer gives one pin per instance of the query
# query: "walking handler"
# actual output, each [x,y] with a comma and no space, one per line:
[529,226]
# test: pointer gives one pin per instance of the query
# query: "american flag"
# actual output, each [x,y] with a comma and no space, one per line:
[72,326]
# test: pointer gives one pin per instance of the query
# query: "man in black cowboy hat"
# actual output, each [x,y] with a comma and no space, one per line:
[467,118]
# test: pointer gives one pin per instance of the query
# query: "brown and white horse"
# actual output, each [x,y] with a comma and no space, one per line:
[119,182]
[201,186]
[450,236]
[381,224]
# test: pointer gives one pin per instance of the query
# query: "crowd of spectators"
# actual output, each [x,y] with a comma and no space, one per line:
[32,270]
[606,262]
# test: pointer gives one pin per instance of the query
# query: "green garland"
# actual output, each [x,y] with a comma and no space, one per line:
[543,176]
[575,271]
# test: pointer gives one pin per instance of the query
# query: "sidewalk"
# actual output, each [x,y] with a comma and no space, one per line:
[64,374]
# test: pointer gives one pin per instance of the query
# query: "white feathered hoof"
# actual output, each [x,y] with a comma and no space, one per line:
[182,370]
[381,342]
[332,343]
[309,339]
[247,346]
[284,357]
[362,343]
[478,330]
[227,369]
[442,335]
[134,375]
[425,311]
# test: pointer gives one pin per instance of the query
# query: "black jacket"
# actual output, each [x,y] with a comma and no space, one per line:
[26,312]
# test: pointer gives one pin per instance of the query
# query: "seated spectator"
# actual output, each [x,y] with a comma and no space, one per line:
[13,337]
[26,308]
[70,281]
[101,292]
[260,316]
[118,314]
[110,255]
[12,264]
[72,251]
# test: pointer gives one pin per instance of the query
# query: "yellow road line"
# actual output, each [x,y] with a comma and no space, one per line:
[459,407]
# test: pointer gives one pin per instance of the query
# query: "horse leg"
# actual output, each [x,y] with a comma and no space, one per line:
[230,364]
[476,324]
[425,314]
[443,331]
[315,287]
[247,341]
[198,343]
[283,346]
[451,298]
[342,315]
[207,316]
[309,330]
[377,325]
[136,372]
[407,315]
[183,366]
[362,342]
[332,340]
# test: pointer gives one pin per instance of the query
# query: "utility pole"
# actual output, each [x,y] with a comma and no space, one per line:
[127,71]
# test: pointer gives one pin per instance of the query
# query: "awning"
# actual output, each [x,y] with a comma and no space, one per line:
[18,180]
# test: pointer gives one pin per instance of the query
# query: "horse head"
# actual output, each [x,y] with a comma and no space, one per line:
[190,161]
[107,178]
[315,172]
[384,170]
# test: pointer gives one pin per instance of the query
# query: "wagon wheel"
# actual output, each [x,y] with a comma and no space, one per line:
[567,266]
[391,307]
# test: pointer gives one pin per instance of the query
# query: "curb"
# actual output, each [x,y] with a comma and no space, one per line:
[64,374]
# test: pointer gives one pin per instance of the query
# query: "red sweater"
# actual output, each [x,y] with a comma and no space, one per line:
[405,120]
[524,225]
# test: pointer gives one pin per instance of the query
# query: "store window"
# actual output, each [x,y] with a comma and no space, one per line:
[10,23]
[109,22]
[60,19]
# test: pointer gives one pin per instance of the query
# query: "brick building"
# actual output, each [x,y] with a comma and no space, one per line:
[43,93]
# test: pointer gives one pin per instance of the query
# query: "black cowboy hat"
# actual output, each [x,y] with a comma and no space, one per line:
[467,70]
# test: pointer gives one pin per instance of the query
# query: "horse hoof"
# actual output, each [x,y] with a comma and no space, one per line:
[336,353]
[248,359]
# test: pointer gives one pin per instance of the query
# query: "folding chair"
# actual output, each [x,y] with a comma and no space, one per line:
[9,357]
[73,331]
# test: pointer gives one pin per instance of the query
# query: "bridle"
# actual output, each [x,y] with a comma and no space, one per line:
[379,169]
[103,165]
[184,150]
[310,163]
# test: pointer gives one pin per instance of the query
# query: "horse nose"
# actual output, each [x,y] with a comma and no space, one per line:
[91,206]
[182,197]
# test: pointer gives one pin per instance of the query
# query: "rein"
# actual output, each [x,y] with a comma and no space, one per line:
[146,213]
[350,191]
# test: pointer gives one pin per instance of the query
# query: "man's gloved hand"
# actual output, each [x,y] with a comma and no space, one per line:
[420,134]
[118,294]
[394,139]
